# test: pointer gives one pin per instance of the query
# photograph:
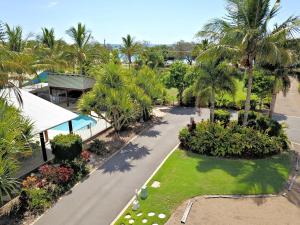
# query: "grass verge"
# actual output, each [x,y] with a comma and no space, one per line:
[185,175]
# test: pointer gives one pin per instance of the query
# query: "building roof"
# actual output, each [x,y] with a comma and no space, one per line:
[45,115]
[70,81]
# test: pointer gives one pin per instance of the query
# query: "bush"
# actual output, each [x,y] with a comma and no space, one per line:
[232,141]
[189,98]
[38,199]
[79,167]
[57,175]
[185,137]
[98,147]
[222,116]
[251,116]
[66,147]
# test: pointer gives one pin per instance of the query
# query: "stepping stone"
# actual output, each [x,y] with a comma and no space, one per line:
[144,221]
[155,184]
[127,217]
[131,221]
[139,214]
[151,214]
[155,224]
[161,216]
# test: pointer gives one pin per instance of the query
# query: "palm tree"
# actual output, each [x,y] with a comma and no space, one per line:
[215,76]
[14,38]
[81,37]
[129,48]
[48,37]
[246,30]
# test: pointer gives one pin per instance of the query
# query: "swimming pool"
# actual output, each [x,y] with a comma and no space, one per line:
[78,123]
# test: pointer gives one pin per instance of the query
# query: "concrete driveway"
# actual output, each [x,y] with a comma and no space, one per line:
[287,110]
[99,199]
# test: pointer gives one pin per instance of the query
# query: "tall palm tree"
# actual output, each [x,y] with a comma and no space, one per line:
[215,76]
[14,38]
[81,37]
[129,48]
[48,37]
[246,29]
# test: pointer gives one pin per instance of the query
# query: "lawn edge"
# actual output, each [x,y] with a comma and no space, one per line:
[147,181]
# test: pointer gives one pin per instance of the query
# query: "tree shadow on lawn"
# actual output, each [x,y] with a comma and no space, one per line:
[122,161]
[261,176]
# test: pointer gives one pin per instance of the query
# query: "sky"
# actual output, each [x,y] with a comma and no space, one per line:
[155,21]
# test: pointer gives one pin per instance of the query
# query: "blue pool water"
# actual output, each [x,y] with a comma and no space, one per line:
[78,123]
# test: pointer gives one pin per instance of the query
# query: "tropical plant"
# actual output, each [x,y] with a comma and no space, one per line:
[14,38]
[48,37]
[129,48]
[81,37]
[176,78]
[215,75]
[8,183]
[115,97]
[246,31]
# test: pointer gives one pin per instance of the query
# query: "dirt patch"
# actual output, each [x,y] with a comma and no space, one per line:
[246,211]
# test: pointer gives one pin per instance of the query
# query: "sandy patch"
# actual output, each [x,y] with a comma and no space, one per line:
[246,211]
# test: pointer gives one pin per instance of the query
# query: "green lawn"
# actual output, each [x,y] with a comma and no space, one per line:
[185,175]
[172,95]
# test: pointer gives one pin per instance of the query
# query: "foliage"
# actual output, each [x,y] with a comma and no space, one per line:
[246,33]
[175,78]
[119,94]
[233,141]
[262,86]
[129,48]
[98,147]
[56,174]
[81,37]
[252,116]
[8,183]
[188,97]
[215,76]
[198,175]
[79,167]
[85,155]
[222,116]
[38,199]
[66,146]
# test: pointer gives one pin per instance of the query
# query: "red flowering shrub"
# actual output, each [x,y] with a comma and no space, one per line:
[85,155]
[48,172]
[56,175]
[64,174]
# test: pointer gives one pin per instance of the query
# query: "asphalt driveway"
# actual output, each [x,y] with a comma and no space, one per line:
[99,199]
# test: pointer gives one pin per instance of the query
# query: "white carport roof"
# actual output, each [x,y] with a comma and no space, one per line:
[43,114]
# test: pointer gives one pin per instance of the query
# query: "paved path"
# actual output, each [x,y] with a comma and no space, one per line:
[99,199]
[287,109]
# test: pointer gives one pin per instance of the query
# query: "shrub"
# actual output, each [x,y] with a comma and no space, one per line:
[222,116]
[66,146]
[188,97]
[232,141]
[85,155]
[185,137]
[57,175]
[38,199]
[79,167]
[251,116]
[98,147]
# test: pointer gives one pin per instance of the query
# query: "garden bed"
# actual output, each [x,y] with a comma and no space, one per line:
[185,175]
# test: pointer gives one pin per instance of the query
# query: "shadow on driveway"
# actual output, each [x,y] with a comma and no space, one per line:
[122,161]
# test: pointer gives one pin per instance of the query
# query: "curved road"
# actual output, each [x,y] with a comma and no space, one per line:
[100,198]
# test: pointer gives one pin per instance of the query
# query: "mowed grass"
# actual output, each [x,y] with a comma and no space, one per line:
[185,175]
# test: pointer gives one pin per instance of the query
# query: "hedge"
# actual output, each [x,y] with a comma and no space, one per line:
[222,116]
[232,141]
[66,147]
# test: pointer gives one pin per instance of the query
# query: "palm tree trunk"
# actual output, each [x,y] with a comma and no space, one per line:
[212,106]
[274,96]
[249,91]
